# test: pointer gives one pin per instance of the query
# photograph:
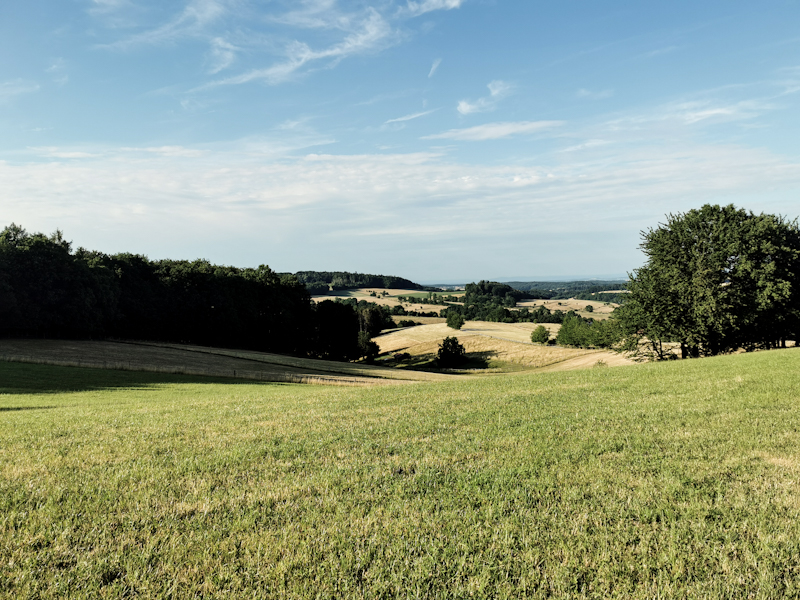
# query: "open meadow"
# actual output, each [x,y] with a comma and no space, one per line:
[668,480]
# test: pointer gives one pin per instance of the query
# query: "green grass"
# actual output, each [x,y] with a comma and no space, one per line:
[652,481]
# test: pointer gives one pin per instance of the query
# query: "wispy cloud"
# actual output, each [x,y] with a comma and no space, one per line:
[409,117]
[58,71]
[414,9]
[497,91]
[434,66]
[374,33]
[192,21]
[221,55]
[54,152]
[494,131]
[16,87]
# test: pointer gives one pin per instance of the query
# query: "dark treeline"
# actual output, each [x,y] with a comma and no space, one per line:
[557,290]
[49,290]
[320,282]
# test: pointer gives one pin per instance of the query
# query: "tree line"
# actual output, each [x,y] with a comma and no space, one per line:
[321,282]
[49,290]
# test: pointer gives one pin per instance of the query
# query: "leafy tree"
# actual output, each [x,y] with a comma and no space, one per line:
[451,353]
[368,349]
[589,308]
[540,335]
[455,320]
[716,279]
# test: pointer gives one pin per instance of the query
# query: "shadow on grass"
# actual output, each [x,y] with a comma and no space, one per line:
[25,378]
[15,408]
[478,360]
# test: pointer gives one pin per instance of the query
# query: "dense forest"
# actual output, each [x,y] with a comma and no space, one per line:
[558,290]
[49,290]
[320,282]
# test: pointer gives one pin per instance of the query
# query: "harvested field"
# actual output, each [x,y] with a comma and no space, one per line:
[497,343]
[602,310]
[421,320]
[199,360]
[390,300]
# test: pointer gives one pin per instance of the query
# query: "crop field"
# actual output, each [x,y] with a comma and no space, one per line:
[602,310]
[390,300]
[497,346]
[671,480]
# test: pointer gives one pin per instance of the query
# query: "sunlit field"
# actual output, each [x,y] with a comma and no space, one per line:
[649,481]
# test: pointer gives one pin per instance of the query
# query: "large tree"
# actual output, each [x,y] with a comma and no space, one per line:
[716,279]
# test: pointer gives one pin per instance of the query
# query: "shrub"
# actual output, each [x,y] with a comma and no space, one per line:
[451,353]
[455,320]
[540,335]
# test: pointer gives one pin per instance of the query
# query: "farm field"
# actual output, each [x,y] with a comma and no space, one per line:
[602,310]
[390,300]
[501,346]
[662,480]
[201,360]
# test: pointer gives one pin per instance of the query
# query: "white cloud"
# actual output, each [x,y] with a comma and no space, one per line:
[409,117]
[221,55]
[54,152]
[434,66]
[415,9]
[494,131]
[230,206]
[192,21]
[17,87]
[169,151]
[497,91]
[374,33]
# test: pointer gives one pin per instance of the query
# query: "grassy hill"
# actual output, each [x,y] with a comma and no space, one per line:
[660,480]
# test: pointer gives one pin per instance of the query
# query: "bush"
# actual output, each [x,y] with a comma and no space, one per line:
[589,308]
[407,323]
[540,335]
[455,320]
[451,353]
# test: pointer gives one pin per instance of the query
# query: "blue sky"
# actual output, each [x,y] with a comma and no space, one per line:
[440,140]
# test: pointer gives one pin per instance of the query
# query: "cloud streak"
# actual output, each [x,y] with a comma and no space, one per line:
[494,131]
[497,91]
[373,33]
[410,117]
[17,87]
[415,9]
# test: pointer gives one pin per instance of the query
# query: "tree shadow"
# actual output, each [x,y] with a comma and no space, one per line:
[16,408]
[26,378]
[478,360]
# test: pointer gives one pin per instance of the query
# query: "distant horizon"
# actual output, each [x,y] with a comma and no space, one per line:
[554,279]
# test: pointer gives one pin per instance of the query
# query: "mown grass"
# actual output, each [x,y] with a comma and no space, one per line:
[652,481]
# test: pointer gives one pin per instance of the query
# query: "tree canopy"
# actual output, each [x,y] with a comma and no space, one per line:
[716,279]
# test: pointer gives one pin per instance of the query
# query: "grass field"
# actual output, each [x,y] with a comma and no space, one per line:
[201,360]
[672,480]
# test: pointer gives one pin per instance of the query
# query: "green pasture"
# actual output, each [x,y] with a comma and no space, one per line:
[673,480]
